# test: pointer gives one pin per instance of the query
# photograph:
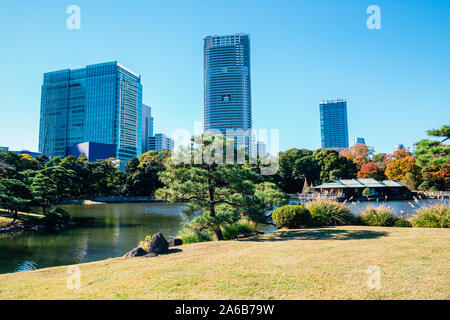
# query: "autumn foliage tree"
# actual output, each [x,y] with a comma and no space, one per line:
[397,169]
[372,170]
[358,153]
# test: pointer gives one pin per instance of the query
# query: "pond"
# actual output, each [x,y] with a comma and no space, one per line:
[110,230]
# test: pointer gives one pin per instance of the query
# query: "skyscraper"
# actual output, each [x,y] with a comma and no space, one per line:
[227,89]
[147,126]
[333,124]
[160,142]
[100,103]
[359,140]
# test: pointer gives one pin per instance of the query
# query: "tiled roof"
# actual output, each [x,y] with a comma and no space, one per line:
[359,183]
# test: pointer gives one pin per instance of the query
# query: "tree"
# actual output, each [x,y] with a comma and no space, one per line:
[372,170]
[14,196]
[366,193]
[332,166]
[142,174]
[105,179]
[398,168]
[45,190]
[358,153]
[379,157]
[397,154]
[64,179]
[296,165]
[434,159]
[221,191]
[443,131]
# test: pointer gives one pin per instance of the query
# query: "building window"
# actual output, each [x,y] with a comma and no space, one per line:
[226,98]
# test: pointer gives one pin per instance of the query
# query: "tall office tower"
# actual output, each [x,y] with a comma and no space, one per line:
[160,142]
[227,94]
[261,149]
[360,141]
[147,126]
[101,103]
[333,124]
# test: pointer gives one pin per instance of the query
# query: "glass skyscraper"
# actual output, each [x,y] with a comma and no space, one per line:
[100,103]
[147,126]
[227,92]
[333,124]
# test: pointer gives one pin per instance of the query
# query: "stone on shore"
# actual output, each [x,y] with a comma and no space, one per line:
[136,252]
[159,244]
[175,242]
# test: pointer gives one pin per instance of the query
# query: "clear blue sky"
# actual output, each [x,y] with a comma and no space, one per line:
[396,80]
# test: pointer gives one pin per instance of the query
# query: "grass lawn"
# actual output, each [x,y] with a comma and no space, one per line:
[22,217]
[319,263]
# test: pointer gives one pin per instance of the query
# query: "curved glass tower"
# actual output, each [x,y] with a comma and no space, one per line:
[227,93]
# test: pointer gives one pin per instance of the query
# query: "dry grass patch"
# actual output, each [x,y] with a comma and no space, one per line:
[317,263]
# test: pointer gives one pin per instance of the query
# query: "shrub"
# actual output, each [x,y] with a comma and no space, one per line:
[292,216]
[434,216]
[366,193]
[231,231]
[402,223]
[55,219]
[378,216]
[146,243]
[330,213]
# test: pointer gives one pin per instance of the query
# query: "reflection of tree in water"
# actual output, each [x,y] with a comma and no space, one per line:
[100,232]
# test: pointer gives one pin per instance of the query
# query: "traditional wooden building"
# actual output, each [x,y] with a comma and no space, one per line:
[353,188]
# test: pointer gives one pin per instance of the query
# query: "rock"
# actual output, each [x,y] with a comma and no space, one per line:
[136,252]
[175,242]
[159,244]
[150,255]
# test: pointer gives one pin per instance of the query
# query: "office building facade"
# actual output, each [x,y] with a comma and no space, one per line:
[333,124]
[227,87]
[147,126]
[360,141]
[100,103]
[160,142]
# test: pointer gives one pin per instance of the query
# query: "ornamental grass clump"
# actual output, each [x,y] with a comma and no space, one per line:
[330,213]
[292,217]
[381,216]
[433,216]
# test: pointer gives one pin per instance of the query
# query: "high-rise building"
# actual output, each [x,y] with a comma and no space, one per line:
[147,126]
[227,89]
[160,142]
[261,149]
[333,124]
[360,141]
[100,103]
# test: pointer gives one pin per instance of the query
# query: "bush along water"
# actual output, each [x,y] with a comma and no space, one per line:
[434,216]
[330,213]
[382,217]
[56,219]
[292,216]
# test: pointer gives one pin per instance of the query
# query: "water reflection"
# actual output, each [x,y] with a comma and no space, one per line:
[105,230]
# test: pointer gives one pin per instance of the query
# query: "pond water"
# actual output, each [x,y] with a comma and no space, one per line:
[110,230]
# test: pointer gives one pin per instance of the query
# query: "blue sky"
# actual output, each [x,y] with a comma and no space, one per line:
[396,80]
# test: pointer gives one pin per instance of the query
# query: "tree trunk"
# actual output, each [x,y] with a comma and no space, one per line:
[212,213]
[14,215]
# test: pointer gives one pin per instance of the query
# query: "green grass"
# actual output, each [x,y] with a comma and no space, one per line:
[314,263]
[22,217]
